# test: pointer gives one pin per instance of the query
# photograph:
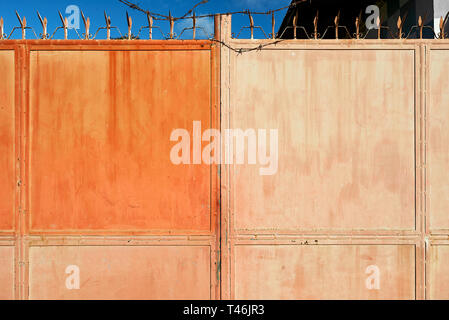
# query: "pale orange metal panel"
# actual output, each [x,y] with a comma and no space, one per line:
[438,136]
[439,272]
[120,272]
[6,273]
[100,125]
[324,272]
[346,121]
[7,140]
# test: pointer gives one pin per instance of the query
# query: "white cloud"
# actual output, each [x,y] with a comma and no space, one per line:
[204,25]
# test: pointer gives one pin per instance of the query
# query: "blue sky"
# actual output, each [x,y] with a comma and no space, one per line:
[116,10]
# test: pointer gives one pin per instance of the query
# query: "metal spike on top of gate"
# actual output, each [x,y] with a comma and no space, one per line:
[86,26]
[22,26]
[315,26]
[169,22]
[44,34]
[2,34]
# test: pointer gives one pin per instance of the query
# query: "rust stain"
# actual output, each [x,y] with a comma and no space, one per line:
[7,140]
[352,171]
[108,141]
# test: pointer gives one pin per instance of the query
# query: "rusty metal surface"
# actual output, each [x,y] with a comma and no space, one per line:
[360,182]
[437,162]
[91,124]
[322,271]
[351,186]
[346,159]
[439,272]
[6,272]
[438,135]
[107,165]
[121,272]
[7,140]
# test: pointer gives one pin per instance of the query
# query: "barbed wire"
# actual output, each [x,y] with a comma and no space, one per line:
[315,35]
[339,30]
[161,17]
[151,17]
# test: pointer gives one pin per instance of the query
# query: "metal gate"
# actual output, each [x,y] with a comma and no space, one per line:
[92,207]
[91,204]
[357,208]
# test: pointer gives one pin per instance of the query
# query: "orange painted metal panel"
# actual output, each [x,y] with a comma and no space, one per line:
[7,140]
[6,273]
[324,272]
[438,144]
[100,125]
[439,272]
[120,272]
[346,127]
[95,139]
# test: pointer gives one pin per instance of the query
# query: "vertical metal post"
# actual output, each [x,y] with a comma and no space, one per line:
[1,28]
[251,25]
[130,24]
[225,83]
[378,27]
[24,24]
[66,24]
[273,26]
[172,24]
[295,23]
[87,28]
[108,26]
[194,26]
[399,23]
[336,22]
[420,24]
[150,25]
[217,22]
